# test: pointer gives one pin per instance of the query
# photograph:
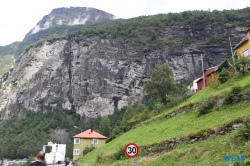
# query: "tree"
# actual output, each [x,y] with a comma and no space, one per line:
[161,83]
[223,75]
[243,64]
[105,128]
[129,113]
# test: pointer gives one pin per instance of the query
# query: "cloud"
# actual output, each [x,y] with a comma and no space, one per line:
[18,17]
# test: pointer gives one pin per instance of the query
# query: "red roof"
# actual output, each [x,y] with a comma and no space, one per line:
[89,134]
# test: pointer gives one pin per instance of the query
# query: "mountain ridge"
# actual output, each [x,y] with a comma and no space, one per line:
[71,16]
[105,66]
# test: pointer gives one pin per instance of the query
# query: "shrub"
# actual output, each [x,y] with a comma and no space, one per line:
[48,149]
[119,154]
[214,82]
[206,107]
[99,157]
[234,95]
[30,159]
[223,76]
[159,107]
[213,40]
[88,149]
[242,65]
[244,132]
[224,65]
[173,100]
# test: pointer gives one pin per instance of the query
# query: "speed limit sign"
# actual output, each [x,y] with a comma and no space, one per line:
[131,150]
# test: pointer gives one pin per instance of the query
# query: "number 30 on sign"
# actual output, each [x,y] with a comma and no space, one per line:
[131,150]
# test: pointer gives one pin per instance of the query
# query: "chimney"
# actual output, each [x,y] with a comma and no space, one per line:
[91,130]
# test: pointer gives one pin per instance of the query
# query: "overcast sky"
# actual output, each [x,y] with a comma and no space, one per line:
[18,17]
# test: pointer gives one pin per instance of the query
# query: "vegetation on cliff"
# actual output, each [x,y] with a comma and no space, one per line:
[147,29]
[25,132]
[193,139]
[7,55]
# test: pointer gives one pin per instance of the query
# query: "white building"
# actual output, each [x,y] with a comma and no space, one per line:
[193,85]
[56,154]
[5,162]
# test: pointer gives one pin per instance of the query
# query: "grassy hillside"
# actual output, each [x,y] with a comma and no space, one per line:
[7,54]
[208,152]
[6,61]
[161,128]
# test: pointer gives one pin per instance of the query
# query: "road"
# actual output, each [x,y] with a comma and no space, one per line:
[55,164]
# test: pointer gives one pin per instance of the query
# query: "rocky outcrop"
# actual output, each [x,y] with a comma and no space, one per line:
[93,76]
[60,21]
[71,16]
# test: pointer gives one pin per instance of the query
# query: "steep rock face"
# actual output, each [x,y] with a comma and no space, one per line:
[93,76]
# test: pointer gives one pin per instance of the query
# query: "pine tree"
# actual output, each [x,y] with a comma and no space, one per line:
[105,128]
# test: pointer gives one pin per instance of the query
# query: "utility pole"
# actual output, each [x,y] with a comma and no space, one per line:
[232,54]
[203,71]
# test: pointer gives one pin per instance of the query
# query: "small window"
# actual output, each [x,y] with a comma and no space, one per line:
[77,141]
[245,53]
[95,141]
[76,152]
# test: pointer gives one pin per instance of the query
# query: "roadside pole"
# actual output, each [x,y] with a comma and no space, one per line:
[131,150]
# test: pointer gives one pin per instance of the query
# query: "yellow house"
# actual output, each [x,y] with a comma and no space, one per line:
[87,138]
[243,47]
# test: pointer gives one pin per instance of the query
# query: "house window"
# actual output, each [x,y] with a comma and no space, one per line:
[95,141]
[245,53]
[76,152]
[54,159]
[76,140]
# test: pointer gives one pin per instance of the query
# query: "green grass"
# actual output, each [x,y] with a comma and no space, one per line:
[180,126]
[239,80]
[207,152]
[7,54]
[220,91]
[5,62]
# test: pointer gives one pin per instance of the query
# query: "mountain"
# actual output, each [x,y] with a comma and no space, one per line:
[71,16]
[68,16]
[62,21]
[100,69]
[63,80]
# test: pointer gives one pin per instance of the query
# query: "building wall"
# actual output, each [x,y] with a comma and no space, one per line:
[54,157]
[211,78]
[208,79]
[194,86]
[84,142]
[57,153]
[200,84]
[244,47]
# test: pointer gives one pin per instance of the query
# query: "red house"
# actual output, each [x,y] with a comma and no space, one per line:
[209,75]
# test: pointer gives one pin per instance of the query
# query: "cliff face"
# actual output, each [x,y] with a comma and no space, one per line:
[93,76]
